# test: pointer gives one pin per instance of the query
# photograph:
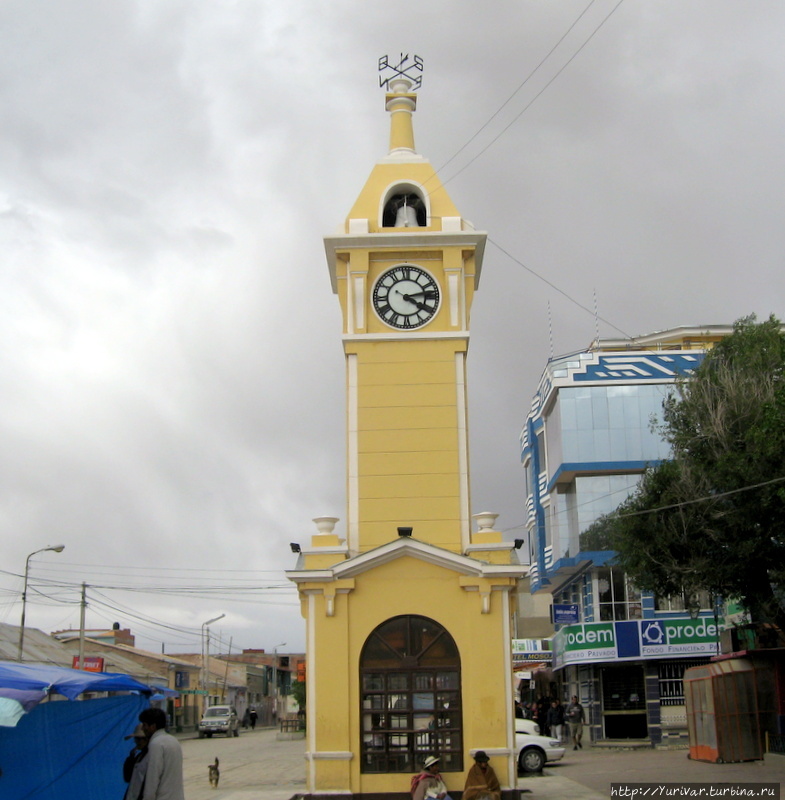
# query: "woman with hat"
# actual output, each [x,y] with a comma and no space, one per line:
[428,785]
[481,782]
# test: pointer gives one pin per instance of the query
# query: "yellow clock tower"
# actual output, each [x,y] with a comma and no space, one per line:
[408,616]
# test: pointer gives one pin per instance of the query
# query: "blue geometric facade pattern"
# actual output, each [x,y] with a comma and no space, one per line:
[652,366]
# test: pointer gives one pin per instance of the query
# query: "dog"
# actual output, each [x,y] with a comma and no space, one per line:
[214,774]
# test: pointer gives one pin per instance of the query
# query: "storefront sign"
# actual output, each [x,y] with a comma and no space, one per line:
[529,650]
[519,658]
[89,663]
[565,613]
[635,640]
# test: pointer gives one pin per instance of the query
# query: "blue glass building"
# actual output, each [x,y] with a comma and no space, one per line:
[591,433]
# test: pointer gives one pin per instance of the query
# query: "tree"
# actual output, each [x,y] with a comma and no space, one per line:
[298,693]
[713,517]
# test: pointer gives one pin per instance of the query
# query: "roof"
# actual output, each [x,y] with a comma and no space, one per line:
[39,647]
[116,660]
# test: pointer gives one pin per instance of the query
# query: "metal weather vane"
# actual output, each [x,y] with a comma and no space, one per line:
[409,67]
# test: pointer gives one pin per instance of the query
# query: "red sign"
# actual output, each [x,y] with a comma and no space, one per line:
[89,663]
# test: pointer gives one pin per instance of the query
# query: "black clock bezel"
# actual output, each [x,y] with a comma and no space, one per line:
[420,316]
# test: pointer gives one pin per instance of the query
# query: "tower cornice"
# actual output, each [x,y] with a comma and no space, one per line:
[412,240]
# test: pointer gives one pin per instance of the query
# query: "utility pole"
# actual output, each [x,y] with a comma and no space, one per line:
[275,679]
[80,665]
[206,659]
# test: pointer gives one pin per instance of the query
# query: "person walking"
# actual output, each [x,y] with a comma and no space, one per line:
[253,717]
[555,719]
[164,778]
[541,716]
[575,718]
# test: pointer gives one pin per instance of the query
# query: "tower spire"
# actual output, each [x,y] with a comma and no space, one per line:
[401,102]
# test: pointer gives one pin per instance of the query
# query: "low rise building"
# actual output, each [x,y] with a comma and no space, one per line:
[177,678]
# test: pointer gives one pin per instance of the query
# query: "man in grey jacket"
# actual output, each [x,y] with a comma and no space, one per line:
[576,717]
[164,778]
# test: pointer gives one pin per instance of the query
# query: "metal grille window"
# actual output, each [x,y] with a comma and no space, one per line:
[623,689]
[411,697]
[618,597]
[671,675]
[676,602]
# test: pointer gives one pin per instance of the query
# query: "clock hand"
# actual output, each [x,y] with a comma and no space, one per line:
[418,303]
[428,294]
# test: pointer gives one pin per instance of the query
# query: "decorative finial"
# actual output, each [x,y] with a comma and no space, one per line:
[408,68]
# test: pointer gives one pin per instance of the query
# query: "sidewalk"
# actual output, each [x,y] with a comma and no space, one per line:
[278,768]
[587,774]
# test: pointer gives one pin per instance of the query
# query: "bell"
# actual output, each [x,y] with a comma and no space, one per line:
[406,217]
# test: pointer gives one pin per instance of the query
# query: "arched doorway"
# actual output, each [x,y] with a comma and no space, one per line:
[410,674]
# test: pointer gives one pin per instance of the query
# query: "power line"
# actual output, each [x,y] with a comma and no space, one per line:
[208,570]
[699,499]
[553,286]
[520,86]
[716,496]
[535,98]
[245,586]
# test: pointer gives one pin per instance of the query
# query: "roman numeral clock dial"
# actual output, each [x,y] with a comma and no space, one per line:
[405,297]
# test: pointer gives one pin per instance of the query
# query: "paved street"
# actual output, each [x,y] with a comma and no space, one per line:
[256,766]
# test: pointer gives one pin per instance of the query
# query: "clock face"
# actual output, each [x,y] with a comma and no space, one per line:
[406,297]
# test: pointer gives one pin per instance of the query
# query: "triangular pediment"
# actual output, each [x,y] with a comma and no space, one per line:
[407,547]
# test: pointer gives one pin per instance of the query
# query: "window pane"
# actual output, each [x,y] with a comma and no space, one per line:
[397,701]
[423,680]
[397,682]
[377,653]
[604,585]
[446,680]
[618,585]
[423,722]
[445,700]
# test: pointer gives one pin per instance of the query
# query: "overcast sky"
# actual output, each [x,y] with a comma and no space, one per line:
[171,399]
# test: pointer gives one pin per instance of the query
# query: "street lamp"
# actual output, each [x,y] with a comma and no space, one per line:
[57,548]
[206,656]
[275,678]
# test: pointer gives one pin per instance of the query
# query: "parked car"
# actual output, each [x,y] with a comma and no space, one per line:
[219,719]
[534,750]
[527,726]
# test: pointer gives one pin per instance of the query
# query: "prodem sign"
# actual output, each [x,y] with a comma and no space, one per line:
[635,639]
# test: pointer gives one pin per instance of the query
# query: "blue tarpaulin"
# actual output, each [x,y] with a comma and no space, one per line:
[62,750]
[68,682]
[69,751]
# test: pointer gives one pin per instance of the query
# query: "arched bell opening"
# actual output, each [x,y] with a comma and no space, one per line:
[404,208]
[410,674]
